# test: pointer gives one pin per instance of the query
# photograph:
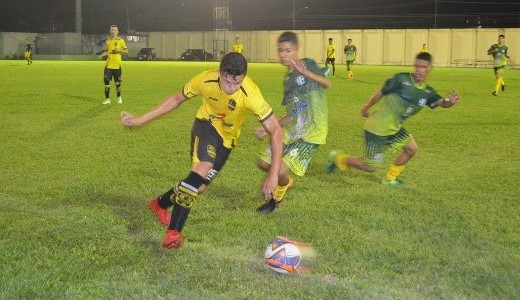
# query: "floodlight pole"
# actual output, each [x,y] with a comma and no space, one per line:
[435,25]
[295,13]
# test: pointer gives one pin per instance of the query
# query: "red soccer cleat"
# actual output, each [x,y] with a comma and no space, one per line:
[163,215]
[173,239]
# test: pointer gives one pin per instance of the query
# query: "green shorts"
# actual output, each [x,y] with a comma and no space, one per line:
[376,145]
[297,156]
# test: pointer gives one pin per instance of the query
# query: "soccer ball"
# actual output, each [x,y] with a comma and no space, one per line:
[282,255]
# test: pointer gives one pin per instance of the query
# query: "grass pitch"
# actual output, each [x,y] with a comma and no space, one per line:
[74,189]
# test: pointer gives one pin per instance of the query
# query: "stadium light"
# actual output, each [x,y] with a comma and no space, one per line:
[295,13]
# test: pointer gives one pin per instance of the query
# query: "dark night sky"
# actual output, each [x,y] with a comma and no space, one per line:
[197,15]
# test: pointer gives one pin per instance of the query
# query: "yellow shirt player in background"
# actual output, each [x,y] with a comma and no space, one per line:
[500,57]
[28,53]
[114,47]
[228,96]
[424,49]
[237,46]
[331,56]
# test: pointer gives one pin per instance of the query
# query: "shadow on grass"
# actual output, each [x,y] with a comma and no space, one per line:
[82,118]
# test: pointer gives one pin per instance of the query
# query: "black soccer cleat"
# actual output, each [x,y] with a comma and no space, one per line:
[268,207]
[503,87]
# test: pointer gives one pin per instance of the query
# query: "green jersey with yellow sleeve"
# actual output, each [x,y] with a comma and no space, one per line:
[402,99]
[226,112]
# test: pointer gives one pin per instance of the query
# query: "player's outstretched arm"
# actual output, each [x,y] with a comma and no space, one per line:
[166,106]
[452,99]
[272,126]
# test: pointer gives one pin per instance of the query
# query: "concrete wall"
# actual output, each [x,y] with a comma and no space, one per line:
[449,47]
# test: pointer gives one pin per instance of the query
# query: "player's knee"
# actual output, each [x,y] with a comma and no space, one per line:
[107,88]
[411,148]
[263,165]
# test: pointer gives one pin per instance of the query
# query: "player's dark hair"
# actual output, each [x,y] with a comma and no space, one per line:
[234,64]
[330,39]
[502,36]
[424,56]
[289,37]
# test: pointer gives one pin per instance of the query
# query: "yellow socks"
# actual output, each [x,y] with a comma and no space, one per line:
[279,191]
[341,162]
[498,85]
[394,172]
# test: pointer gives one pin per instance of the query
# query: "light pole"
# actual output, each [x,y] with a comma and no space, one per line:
[295,13]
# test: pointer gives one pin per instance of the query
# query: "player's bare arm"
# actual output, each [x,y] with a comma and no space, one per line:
[300,66]
[261,133]
[166,106]
[272,126]
[371,102]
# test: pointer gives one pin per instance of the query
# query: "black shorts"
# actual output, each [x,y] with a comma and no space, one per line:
[330,60]
[113,73]
[207,145]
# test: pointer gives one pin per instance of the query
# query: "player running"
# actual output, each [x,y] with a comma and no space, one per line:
[228,96]
[500,57]
[403,95]
[305,124]
[351,52]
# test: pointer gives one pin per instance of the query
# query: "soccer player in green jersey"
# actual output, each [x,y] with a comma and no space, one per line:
[500,57]
[228,96]
[331,56]
[403,95]
[305,125]
[351,52]
[114,47]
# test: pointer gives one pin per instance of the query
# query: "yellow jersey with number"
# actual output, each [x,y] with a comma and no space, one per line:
[227,113]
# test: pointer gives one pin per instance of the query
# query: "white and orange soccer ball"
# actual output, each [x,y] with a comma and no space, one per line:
[283,255]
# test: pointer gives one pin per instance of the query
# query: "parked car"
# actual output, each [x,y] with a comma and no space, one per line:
[196,55]
[146,54]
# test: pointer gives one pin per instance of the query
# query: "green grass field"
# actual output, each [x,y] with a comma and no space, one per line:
[74,189]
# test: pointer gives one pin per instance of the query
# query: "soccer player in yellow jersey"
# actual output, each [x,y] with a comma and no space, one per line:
[228,96]
[28,53]
[237,46]
[331,56]
[500,57]
[424,48]
[114,47]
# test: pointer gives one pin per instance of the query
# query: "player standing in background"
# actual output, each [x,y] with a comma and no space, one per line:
[305,125]
[114,46]
[237,46]
[351,52]
[403,95]
[424,48]
[500,57]
[331,56]
[228,95]
[28,52]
